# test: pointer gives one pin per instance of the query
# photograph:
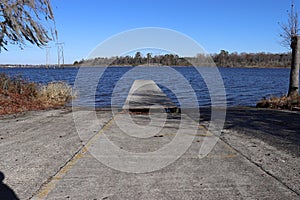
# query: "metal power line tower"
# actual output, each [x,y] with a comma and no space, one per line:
[47,56]
[60,54]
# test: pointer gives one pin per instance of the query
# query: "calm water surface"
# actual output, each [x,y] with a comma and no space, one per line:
[244,87]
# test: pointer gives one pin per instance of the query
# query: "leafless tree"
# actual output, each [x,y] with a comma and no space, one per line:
[291,28]
[291,39]
[26,20]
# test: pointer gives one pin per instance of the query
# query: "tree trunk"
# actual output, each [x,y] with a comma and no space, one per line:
[294,74]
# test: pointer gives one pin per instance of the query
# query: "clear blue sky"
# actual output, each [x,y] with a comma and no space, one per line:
[233,25]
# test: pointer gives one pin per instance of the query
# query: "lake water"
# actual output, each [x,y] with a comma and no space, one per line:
[243,86]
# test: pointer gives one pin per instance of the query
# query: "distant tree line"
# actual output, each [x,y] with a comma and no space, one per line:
[224,59]
[138,59]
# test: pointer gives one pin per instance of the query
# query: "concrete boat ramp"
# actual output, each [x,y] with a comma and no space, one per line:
[48,155]
[145,95]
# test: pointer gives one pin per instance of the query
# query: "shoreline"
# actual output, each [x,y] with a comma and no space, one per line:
[204,110]
[90,66]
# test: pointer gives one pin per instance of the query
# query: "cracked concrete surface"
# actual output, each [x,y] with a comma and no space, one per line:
[257,156]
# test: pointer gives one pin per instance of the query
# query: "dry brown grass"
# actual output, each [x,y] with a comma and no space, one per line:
[18,95]
[284,102]
[55,94]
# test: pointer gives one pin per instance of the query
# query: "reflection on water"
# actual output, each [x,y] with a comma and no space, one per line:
[244,87]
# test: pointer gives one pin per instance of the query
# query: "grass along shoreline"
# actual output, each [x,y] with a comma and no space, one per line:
[281,103]
[18,95]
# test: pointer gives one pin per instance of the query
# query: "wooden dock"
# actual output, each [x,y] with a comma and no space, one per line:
[145,94]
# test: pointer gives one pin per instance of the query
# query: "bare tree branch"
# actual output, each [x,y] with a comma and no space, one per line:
[291,28]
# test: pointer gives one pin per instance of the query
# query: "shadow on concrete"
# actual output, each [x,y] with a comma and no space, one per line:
[277,128]
[6,193]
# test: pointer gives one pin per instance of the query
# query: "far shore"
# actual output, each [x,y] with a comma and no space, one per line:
[151,65]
